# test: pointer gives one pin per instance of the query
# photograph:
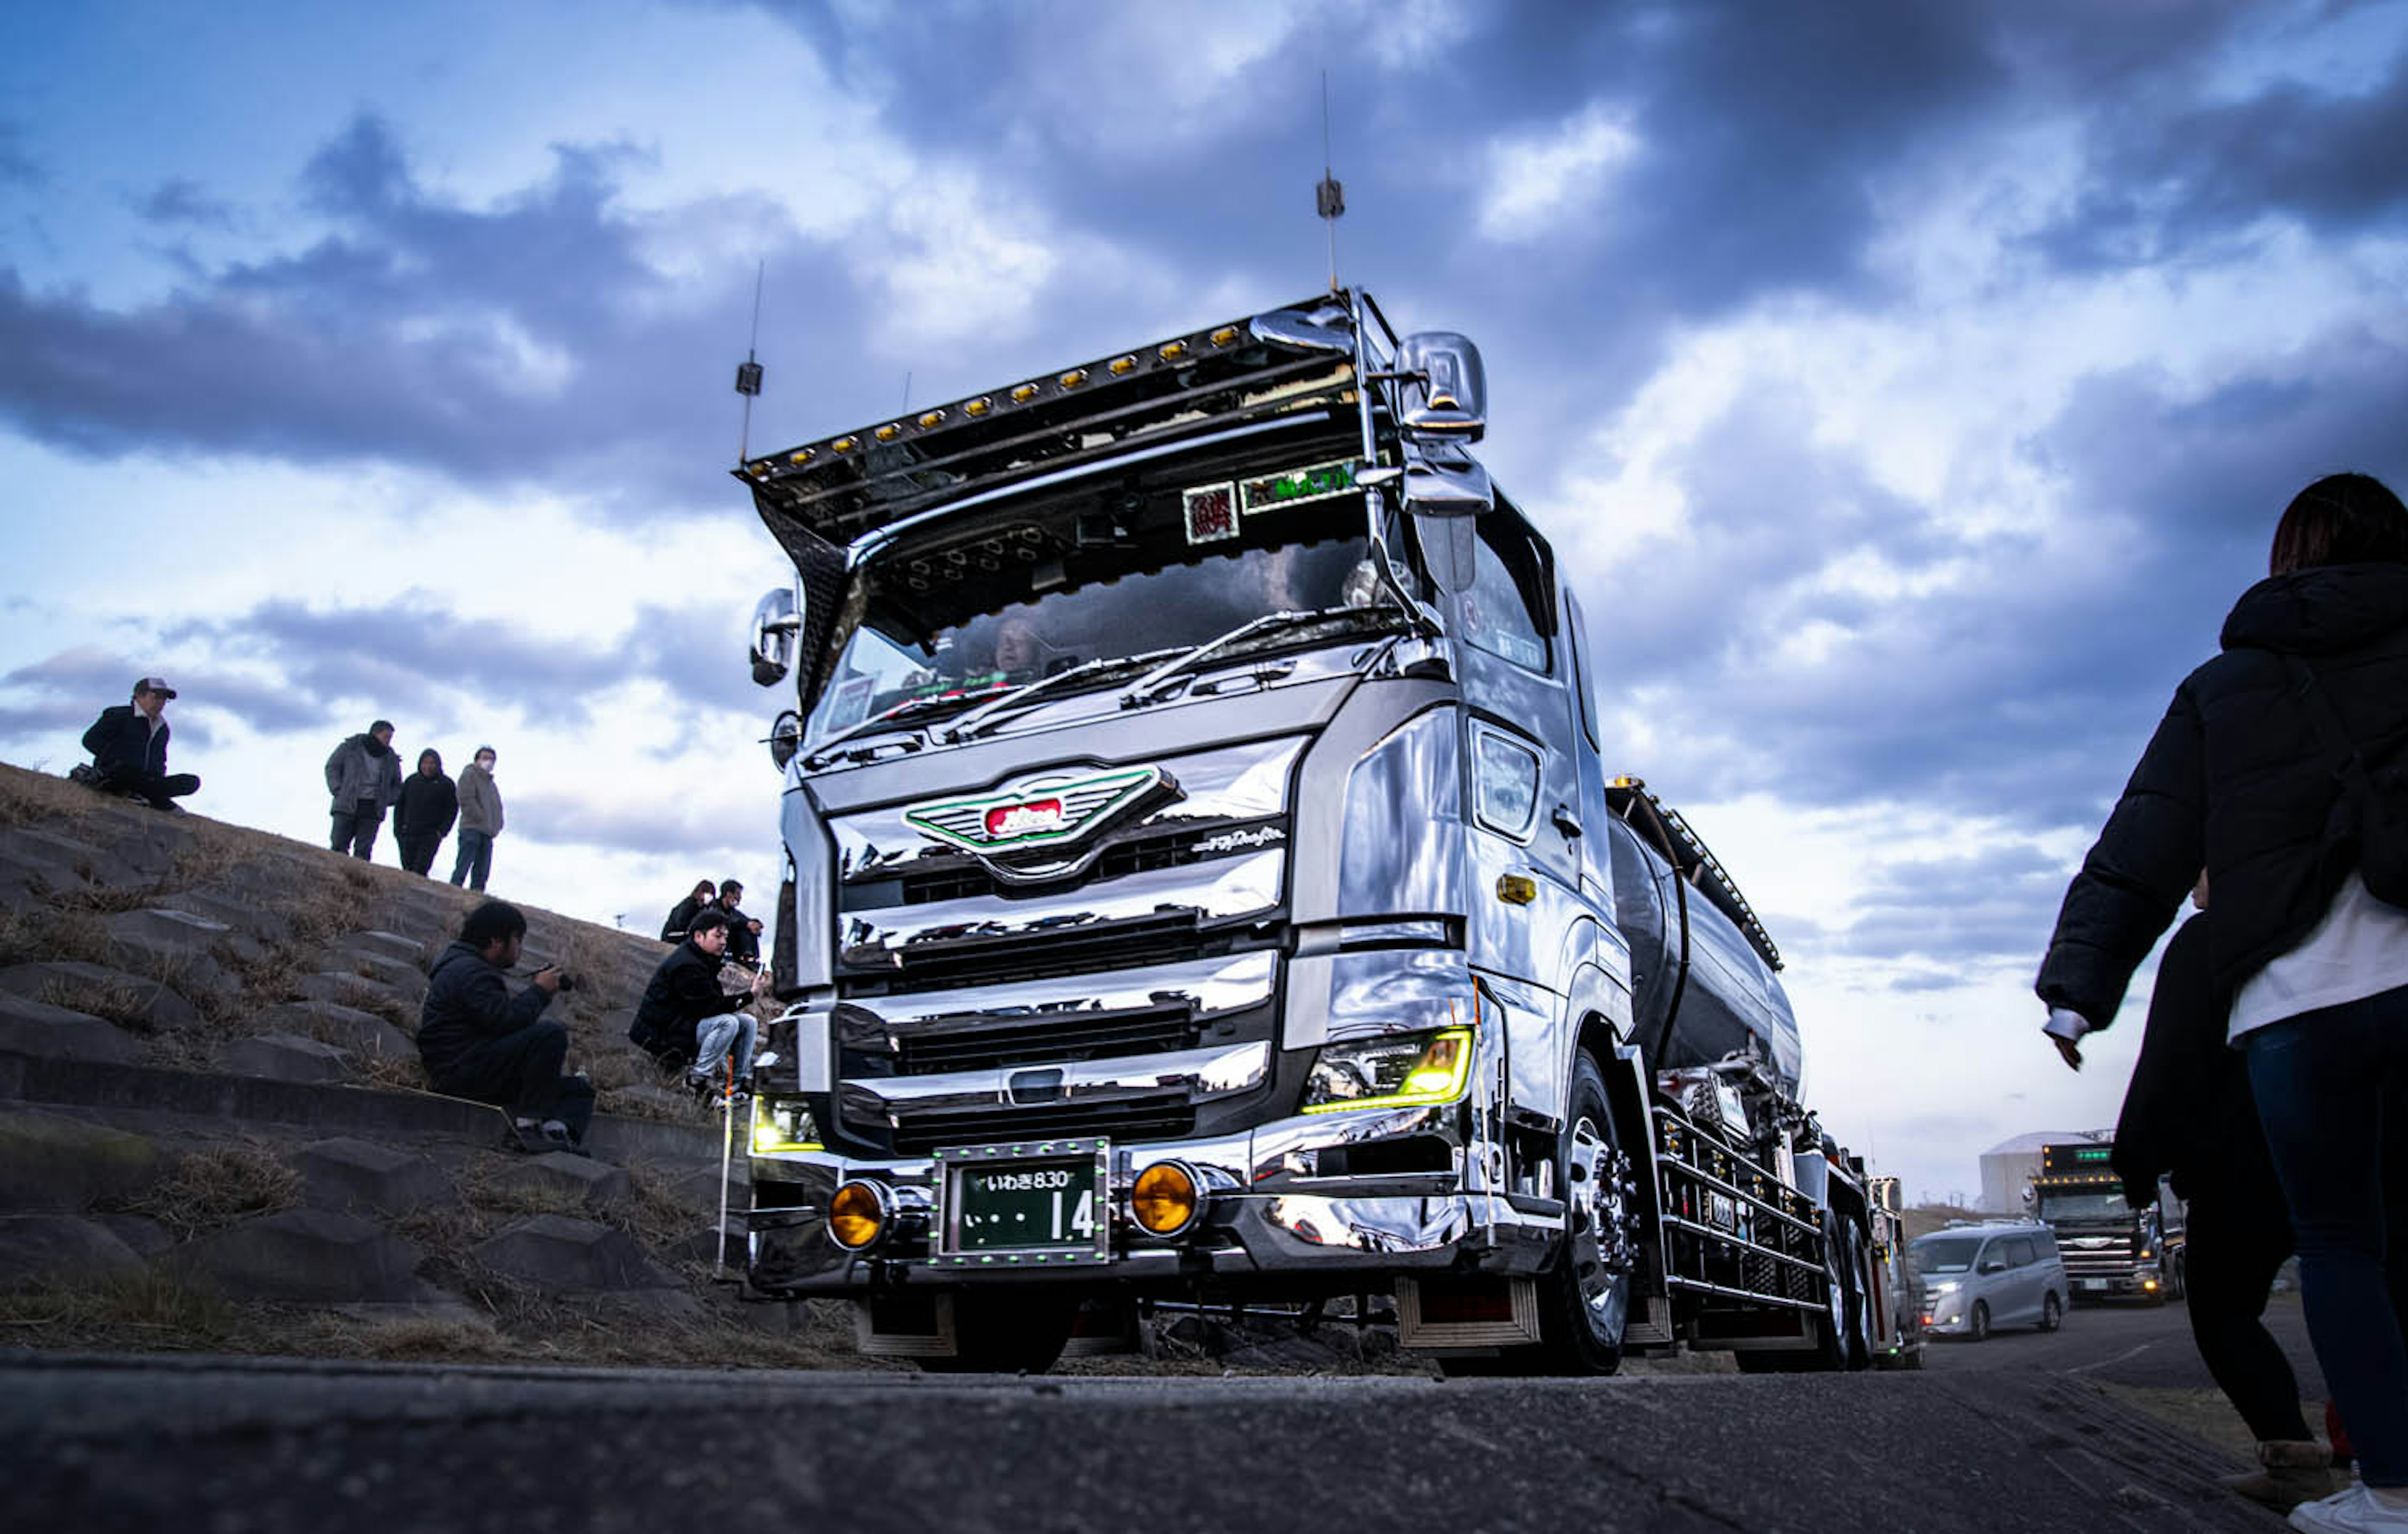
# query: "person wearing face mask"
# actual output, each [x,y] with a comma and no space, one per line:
[480,820]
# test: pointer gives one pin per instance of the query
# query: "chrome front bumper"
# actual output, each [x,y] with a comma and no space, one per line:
[1270,1213]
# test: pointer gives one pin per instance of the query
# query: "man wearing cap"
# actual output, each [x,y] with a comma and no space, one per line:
[363,776]
[129,749]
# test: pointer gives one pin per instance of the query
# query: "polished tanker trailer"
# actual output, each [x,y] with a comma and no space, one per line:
[1208,881]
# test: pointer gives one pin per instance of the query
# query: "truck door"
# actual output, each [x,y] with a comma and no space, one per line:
[1524,794]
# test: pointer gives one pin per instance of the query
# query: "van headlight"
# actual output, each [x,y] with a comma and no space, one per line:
[1394,1071]
[783,1123]
[1946,1287]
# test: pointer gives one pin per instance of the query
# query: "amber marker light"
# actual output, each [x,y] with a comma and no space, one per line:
[1225,335]
[1024,393]
[978,407]
[1073,378]
[931,418]
[1166,1198]
[1123,366]
[1172,350]
[857,1214]
[888,433]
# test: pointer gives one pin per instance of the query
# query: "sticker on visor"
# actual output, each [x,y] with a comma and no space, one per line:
[1211,513]
[1295,487]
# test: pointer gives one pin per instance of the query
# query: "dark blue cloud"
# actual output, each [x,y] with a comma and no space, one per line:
[181,200]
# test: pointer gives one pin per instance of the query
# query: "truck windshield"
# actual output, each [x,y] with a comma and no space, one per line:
[2083,1206]
[1946,1254]
[933,626]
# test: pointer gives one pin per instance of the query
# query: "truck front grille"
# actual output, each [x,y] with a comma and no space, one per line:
[1159,1117]
[1048,1039]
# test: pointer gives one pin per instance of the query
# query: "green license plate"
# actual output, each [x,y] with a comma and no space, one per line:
[1037,1204]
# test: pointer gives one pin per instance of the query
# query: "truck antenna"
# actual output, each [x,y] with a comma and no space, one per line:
[1328,198]
[748,371]
[907,392]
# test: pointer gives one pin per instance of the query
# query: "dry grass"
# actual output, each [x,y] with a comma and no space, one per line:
[218,1186]
[393,1072]
[2203,1414]
[149,1311]
[125,1005]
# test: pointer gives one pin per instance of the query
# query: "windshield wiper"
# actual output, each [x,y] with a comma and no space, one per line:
[1154,685]
[968,725]
[879,721]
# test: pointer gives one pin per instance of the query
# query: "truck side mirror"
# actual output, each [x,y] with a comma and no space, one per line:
[1451,397]
[777,618]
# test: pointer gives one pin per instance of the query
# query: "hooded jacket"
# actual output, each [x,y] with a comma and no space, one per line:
[480,802]
[361,769]
[466,1004]
[426,807]
[122,740]
[2238,781]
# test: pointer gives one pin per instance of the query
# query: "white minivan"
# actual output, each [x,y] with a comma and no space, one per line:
[1997,1273]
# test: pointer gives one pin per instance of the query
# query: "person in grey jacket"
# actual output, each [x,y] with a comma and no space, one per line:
[364,775]
[480,820]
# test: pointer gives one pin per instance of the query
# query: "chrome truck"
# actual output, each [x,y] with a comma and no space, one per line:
[2112,1250]
[1205,881]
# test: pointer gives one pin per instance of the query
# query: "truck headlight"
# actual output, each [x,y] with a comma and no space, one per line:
[1397,1070]
[782,1124]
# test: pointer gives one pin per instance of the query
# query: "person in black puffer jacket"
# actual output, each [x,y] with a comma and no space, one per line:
[2238,779]
[479,1042]
[684,1020]
[423,814]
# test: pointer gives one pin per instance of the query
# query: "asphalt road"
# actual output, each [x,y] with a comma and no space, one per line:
[2127,1344]
[2003,1435]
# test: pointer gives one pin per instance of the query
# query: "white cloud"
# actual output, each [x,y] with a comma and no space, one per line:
[1536,183]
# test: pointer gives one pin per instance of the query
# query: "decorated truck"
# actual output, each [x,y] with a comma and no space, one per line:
[1208,881]
[2112,1250]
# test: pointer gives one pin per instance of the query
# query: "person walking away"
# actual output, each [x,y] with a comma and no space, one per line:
[2187,1115]
[479,1042]
[743,931]
[2269,769]
[684,1018]
[363,776]
[480,820]
[423,816]
[129,749]
[681,915]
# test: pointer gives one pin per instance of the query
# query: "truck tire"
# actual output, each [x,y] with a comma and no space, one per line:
[1585,1299]
[1008,1330]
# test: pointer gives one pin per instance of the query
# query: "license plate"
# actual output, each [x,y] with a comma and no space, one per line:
[2094,1283]
[1039,1204]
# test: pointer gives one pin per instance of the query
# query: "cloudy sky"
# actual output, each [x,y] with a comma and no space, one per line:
[1908,386]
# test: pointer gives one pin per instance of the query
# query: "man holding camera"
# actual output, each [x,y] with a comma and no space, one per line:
[479,1042]
[684,1018]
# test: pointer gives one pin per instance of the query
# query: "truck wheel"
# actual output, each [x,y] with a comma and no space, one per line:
[1008,1330]
[1584,1300]
[1978,1327]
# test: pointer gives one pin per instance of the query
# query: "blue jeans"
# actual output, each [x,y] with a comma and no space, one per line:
[475,859]
[2320,1079]
[715,1037]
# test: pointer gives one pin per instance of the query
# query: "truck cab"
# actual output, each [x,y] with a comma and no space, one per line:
[2112,1251]
[1205,880]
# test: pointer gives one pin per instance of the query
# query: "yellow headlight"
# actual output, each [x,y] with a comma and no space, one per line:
[1164,1198]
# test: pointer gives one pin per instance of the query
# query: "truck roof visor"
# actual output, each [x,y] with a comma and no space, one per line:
[838,487]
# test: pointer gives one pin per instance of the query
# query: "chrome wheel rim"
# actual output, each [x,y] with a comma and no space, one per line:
[1604,1243]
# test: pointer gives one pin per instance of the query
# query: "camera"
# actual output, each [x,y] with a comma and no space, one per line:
[567,982]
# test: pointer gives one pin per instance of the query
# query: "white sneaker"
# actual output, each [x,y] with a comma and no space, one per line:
[2351,1512]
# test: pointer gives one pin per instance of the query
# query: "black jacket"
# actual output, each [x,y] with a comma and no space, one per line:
[427,807]
[682,992]
[122,740]
[743,947]
[2237,781]
[466,1004]
[2188,1111]
[681,917]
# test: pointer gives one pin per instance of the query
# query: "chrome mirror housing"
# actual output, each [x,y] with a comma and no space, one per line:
[785,739]
[1442,479]
[1450,396]
[777,618]
[1324,327]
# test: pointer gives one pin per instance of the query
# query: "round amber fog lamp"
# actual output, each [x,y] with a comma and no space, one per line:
[1167,1198]
[857,1214]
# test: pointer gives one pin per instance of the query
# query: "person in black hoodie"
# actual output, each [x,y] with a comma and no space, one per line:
[681,915]
[423,816]
[129,749]
[2241,778]
[685,1020]
[479,1042]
